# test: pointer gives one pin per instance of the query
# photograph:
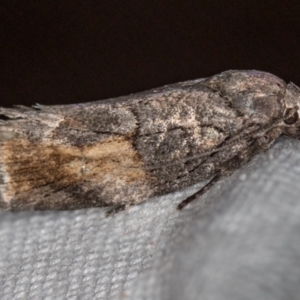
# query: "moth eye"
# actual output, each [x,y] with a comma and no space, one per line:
[292,119]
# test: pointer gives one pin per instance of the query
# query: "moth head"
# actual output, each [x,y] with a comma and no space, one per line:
[291,114]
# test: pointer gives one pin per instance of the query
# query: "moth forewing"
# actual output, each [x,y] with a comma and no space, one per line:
[126,150]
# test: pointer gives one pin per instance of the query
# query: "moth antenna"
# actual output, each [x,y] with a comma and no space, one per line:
[293,86]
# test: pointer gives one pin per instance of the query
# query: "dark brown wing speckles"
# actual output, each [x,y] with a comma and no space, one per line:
[123,151]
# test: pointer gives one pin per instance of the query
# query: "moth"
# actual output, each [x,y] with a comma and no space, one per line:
[120,152]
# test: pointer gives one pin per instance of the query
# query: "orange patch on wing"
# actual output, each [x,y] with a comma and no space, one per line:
[27,165]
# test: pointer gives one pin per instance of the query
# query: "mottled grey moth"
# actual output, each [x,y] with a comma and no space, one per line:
[126,150]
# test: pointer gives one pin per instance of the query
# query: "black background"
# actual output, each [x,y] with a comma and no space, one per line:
[76,51]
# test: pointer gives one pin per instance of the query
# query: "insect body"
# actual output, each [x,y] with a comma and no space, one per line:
[126,150]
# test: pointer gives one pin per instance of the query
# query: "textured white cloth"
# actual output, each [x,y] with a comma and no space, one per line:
[241,240]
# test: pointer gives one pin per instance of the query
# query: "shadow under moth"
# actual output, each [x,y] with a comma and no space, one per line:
[120,152]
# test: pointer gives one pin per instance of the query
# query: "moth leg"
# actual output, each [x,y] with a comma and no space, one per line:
[116,210]
[224,170]
[221,169]
[193,197]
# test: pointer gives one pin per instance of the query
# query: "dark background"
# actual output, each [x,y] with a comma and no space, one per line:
[76,51]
